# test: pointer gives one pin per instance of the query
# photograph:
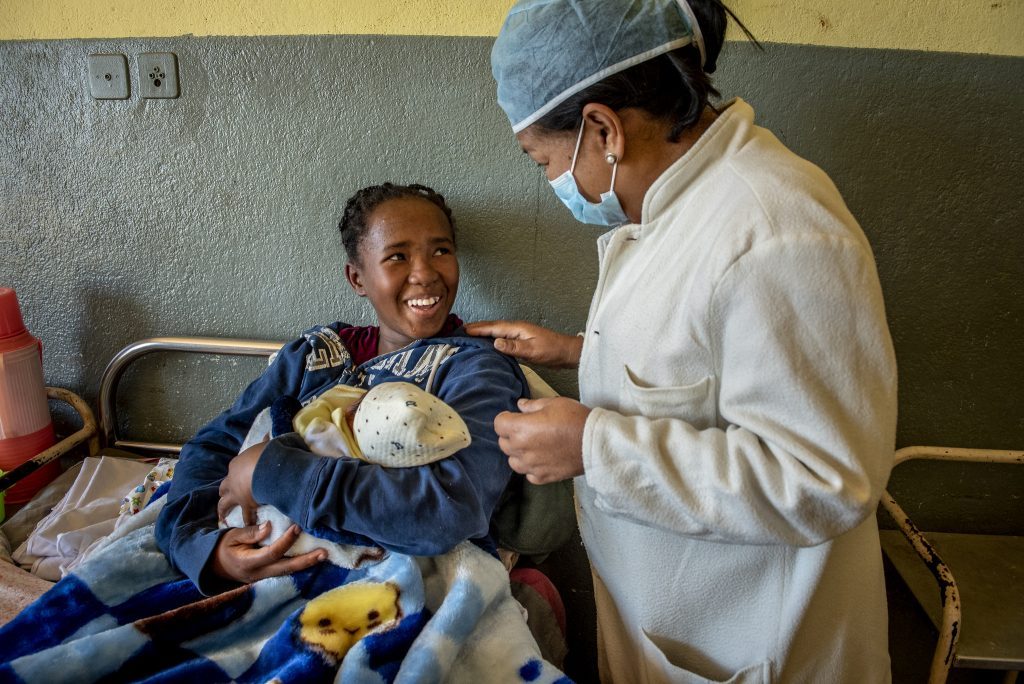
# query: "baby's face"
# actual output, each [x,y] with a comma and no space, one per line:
[350,413]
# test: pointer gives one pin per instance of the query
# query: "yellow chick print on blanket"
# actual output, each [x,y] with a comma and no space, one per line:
[333,622]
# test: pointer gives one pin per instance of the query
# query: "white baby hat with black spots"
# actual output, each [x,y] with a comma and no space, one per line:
[399,425]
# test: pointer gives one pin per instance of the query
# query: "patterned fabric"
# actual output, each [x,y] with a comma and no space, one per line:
[137,499]
[127,615]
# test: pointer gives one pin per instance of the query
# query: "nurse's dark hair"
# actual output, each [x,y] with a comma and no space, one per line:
[672,87]
[353,224]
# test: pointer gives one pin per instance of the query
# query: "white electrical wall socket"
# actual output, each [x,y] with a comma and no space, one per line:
[158,74]
[108,77]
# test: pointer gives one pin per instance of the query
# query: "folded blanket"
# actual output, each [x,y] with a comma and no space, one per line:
[86,513]
[127,615]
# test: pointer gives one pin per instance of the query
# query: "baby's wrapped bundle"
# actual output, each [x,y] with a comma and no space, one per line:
[394,425]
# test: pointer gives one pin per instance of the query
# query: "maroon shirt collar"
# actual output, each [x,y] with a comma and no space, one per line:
[361,341]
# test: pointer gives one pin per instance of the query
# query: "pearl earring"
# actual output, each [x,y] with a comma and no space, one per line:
[611,158]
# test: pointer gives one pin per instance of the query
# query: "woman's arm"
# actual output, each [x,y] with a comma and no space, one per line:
[187,529]
[423,510]
[531,343]
[806,394]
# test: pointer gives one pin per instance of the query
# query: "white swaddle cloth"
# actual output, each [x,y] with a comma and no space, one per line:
[394,424]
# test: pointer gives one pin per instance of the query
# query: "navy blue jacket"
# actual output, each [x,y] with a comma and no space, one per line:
[424,510]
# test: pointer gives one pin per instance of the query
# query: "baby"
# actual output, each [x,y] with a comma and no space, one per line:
[394,424]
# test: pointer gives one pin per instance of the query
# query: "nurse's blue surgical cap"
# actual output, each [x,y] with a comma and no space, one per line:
[549,50]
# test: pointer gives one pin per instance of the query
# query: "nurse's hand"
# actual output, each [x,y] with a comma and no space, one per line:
[545,441]
[531,343]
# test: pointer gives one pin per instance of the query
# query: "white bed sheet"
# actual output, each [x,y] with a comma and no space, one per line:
[87,513]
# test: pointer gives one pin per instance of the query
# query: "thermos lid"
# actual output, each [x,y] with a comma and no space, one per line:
[10,314]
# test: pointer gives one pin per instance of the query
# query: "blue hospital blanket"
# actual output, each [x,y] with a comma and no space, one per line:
[127,615]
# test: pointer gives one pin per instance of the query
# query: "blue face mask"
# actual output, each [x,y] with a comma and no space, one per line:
[607,212]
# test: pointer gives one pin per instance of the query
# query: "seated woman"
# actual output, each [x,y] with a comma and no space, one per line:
[438,608]
[400,243]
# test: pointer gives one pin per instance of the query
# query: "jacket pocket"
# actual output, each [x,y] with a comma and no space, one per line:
[667,671]
[694,403]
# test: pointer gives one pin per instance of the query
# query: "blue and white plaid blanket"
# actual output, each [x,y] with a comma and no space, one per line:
[127,615]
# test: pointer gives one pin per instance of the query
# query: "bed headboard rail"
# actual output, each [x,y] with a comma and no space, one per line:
[124,358]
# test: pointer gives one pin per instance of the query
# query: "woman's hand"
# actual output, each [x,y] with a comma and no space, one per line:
[531,343]
[236,487]
[239,557]
[545,441]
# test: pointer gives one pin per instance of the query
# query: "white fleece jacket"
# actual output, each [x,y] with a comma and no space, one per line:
[744,384]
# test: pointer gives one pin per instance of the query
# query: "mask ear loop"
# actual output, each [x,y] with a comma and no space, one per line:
[697,37]
[576,152]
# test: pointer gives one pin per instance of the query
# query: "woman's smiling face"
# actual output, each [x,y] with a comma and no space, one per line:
[408,270]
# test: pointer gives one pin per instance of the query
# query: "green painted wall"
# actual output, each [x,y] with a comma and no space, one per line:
[214,214]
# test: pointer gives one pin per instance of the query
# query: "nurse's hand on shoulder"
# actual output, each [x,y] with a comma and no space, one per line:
[545,441]
[531,343]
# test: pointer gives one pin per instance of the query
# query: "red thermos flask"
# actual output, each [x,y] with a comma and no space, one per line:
[25,425]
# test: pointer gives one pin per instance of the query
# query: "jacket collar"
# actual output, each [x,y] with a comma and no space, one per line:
[729,131]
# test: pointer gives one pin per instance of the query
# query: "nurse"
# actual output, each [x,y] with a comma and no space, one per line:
[737,408]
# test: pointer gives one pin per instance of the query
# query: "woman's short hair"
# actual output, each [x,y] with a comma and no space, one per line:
[359,207]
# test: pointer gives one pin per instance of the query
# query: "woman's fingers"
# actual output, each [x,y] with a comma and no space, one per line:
[250,535]
[248,515]
[515,338]
[270,561]
[544,441]
[521,349]
[223,508]
[290,564]
[280,547]
[507,329]
[530,343]
[226,503]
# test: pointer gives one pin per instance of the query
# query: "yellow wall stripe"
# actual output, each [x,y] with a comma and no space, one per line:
[42,19]
[993,27]
[975,26]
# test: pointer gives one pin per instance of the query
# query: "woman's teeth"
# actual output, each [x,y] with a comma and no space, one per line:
[428,301]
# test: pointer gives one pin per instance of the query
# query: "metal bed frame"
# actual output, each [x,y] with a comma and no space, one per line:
[996,640]
[106,432]
[194,345]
